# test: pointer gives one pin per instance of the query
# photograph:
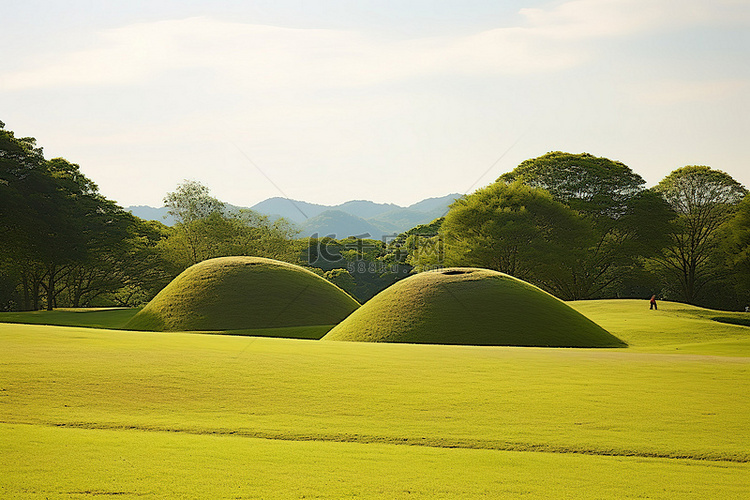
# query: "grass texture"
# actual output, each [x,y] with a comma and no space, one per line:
[129,464]
[89,413]
[117,318]
[470,306]
[238,293]
[673,328]
[589,401]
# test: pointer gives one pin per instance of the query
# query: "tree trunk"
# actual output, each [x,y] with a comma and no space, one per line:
[26,294]
[51,288]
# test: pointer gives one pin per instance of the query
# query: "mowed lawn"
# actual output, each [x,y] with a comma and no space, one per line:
[89,412]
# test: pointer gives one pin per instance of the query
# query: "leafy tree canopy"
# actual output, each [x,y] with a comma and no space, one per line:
[592,185]
[700,191]
[704,200]
[512,228]
[192,201]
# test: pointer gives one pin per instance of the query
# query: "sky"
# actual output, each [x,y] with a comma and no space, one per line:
[389,101]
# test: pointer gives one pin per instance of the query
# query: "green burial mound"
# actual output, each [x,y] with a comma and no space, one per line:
[470,306]
[233,293]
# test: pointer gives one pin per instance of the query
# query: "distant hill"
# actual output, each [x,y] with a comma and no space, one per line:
[365,209]
[339,224]
[432,205]
[150,213]
[293,210]
[352,218]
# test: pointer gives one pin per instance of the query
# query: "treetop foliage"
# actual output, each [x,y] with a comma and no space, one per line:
[592,185]
[192,201]
[696,187]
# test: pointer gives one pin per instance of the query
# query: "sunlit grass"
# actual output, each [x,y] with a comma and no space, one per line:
[89,317]
[89,412]
[588,401]
[674,327]
[49,462]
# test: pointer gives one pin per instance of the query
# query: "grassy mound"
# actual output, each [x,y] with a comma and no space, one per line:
[233,293]
[472,307]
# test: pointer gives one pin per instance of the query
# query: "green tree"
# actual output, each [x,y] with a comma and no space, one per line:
[24,181]
[627,220]
[206,228]
[420,248]
[191,204]
[595,186]
[736,248]
[703,199]
[518,230]
[192,201]
[367,261]
[342,279]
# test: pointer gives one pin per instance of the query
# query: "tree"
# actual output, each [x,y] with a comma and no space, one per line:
[421,247]
[625,217]
[206,228]
[370,265]
[58,235]
[518,230]
[23,175]
[736,248]
[342,279]
[703,200]
[192,201]
[596,186]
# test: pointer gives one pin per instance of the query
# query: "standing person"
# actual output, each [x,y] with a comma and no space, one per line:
[653,302]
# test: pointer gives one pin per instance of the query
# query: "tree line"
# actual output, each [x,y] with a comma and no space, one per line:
[584,227]
[577,226]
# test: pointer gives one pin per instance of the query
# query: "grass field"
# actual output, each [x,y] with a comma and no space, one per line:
[112,318]
[87,412]
[674,327]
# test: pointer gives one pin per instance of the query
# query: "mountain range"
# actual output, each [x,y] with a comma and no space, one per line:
[352,218]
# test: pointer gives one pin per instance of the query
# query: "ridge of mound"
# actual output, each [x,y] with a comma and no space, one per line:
[470,306]
[233,293]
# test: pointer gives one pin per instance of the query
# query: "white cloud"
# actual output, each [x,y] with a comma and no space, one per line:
[585,19]
[267,56]
[164,100]
[255,56]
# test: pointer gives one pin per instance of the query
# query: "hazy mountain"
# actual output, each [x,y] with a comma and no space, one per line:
[432,205]
[351,218]
[365,209]
[339,224]
[402,219]
[293,210]
[150,213]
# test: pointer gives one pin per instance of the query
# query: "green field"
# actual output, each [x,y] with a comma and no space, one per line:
[86,412]
[112,318]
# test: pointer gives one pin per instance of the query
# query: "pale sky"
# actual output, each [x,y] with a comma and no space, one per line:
[391,101]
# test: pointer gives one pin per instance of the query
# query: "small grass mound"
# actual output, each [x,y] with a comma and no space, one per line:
[238,293]
[470,306]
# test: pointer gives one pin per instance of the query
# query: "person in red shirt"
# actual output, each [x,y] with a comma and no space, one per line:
[653,302]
